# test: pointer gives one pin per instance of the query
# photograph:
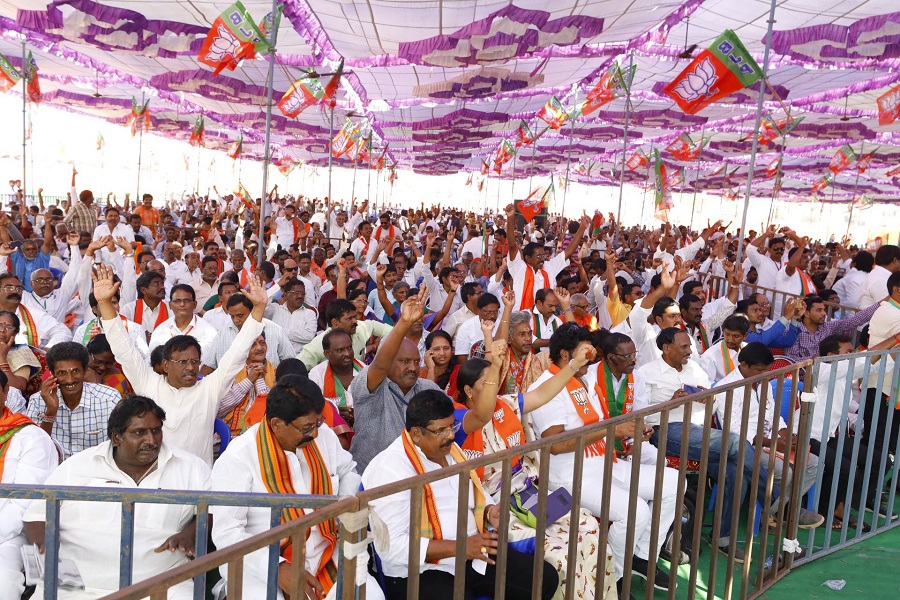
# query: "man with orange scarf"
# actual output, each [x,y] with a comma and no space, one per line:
[424,446]
[289,452]
[27,456]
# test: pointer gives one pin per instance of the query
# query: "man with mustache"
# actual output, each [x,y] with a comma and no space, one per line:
[282,455]
[72,412]
[133,458]
[44,295]
[37,328]
[191,404]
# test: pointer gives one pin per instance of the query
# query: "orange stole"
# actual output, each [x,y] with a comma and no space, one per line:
[507,425]
[240,418]
[10,424]
[160,319]
[580,399]
[528,287]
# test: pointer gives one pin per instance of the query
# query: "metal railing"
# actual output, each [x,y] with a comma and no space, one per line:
[770,554]
[719,285]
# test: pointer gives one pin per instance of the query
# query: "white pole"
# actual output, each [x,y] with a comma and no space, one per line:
[625,138]
[267,156]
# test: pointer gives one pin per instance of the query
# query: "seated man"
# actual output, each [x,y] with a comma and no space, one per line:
[191,403]
[36,328]
[755,359]
[425,445]
[778,334]
[71,411]
[298,319]
[721,359]
[150,309]
[183,302]
[286,453]
[342,313]
[134,458]
[335,375]
[666,378]
[216,315]
[27,457]
[578,405]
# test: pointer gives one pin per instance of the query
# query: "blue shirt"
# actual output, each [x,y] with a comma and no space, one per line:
[24,267]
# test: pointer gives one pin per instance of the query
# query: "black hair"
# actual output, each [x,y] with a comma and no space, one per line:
[131,406]
[567,337]
[267,268]
[145,280]
[684,302]
[12,316]
[354,294]
[864,261]
[892,282]
[180,343]
[531,248]
[445,273]
[663,304]
[613,340]
[743,306]
[143,253]
[756,354]
[67,351]
[469,373]
[290,366]
[239,299]
[293,397]
[667,336]
[827,294]
[230,276]
[291,284]
[656,281]
[812,299]
[223,284]
[690,286]
[832,343]
[737,322]
[183,287]
[209,259]
[541,295]
[326,339]
[886,255]
[336,310]
[468,290]
[427,406]
[98,344]
[487,299]
[156,356]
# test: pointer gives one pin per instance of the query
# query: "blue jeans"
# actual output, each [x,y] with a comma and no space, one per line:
[695,445]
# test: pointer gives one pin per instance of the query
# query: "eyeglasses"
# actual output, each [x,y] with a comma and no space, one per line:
[43,280]
[309,428]
[445,431]
[181,301]
[7,327]
[13,288]
[581,306]
[290,268]
[182,362]
[628,356]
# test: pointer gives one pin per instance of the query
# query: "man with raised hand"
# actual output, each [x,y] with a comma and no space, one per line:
[191,404]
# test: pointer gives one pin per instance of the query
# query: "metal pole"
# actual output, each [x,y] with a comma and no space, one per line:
[759,110]
[328,148]
[137,191]
[353,187]
[644,200]
[267,157]
[694,203]
[625,140]
[855,185]
[562,214]
[25,120]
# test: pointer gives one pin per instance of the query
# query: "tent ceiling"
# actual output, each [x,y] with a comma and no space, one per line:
[444,82]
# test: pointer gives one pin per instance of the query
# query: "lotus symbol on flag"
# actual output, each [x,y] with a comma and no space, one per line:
[225,45]
[294,103]
[698,83]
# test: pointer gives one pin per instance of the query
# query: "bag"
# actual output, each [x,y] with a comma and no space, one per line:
[524,503]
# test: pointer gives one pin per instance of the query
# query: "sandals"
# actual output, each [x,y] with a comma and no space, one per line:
[837,524]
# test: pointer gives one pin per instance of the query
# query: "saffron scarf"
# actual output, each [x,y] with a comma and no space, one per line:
[516,376]
[276,476]
[704,336]
[333,389]
[10,424]
[537,319]
[431,520]
[160,319]
[365,249]
[580,399]
[727,361]
[508,427]
[31,332]
[391,232]
[240,418]
[528,287]
[614,404]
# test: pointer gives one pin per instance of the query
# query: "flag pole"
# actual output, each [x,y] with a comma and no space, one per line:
[25,119]
[694,203]
[137,191]
[353,187]
[625,138]
[777,179]
[512,191]
[862,148]
[569,158]
[644,200]
[759,111]
[267,155]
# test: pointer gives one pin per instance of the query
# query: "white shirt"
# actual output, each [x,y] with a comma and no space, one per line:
[57,302]
[363,251]
[300,326]
[135,332]
[49,330]
[850,287]
[883,325]
[789,284]
[148,319]
[518,267]
[203,291]
[190,411]
[199,329]
[284,232]
[437,295]
[823,425]
[713,362]
[120,230]
[543,328]
[452,323]
[469,334]
[90,531]
[875,287]
[662,382]
[474,245]
[766,269]
[238,470]
[737,409]
[177,272]
[217,317]
[644,335]
[686,253]
[390,515]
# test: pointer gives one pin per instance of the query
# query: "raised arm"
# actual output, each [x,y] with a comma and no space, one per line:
[49,239]
[486,401]
[511,232]
[445,309]
[386,304]
[509,300]
[585,221]
[791,267]
[545,392]
[411,311]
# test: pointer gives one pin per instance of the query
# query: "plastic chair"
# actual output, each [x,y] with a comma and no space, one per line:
[221,427]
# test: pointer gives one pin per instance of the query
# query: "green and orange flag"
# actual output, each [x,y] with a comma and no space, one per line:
[33,83]
[553,113]
[524,135]
[862,202]
[663,193]
[532,206]
[197,132]
[862,163]
[140,116]
[684,148]
[613,84]
[770,129]
[344,139]
[309,91]
[821,183]
[889,106]
[237,146]
[719,71]
[773,167]
[9,76]
[233,37]
[842,159]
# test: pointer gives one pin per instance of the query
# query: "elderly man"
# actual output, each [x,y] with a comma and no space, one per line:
[342,313]
[27,457]
[282,455]
[191,403]
[134,458]
[112,227]
[30,256]
[239,307]
[46,297]
[295,316]
[37,328]
[71,411]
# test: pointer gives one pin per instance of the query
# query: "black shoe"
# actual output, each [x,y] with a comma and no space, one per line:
[739,556]
[641,568]
[619,589]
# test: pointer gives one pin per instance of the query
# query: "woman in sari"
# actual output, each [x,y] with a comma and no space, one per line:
[103,368]
[244,405]
[478,379]
[23,365]
[441,365]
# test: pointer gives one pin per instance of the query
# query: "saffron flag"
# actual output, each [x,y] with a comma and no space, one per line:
[684,148]
[717,72]
[331,88]
[769,129]
[663,195]
[234,151]
[139,116]
[613,84]
[730,195]
[842,159]
[309,91]
[893,172]
[33,83]
[469,180]
[505,152]
[286,165]
[637,160]
[392,176]
[862,163]
[233,37]
[889,106]
[773,167]
[485,167]
[676,178]
[821,183]
[597,222]
[524,136]
[197,132]
[553,113]
[344,139]
[241,193]
[534,204]
[862,202]
[717,170]
[100,141]
[9,76]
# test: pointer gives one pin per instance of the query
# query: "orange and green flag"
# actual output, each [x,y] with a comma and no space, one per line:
[889,106]
[534,204]
[9,76]
[140,116]
[197,132]
[233,37]
[842,159]
[553,113]
[719,71]
[663,194]
[613,84]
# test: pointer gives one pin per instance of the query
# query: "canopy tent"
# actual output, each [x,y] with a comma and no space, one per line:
[440,85]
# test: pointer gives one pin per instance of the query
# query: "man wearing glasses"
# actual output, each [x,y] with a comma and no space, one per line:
[768,261]
[298,320]
[183,302]
[44,295]
[191,405]
[37,328]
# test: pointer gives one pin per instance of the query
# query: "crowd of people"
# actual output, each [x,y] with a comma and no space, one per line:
[338,346]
